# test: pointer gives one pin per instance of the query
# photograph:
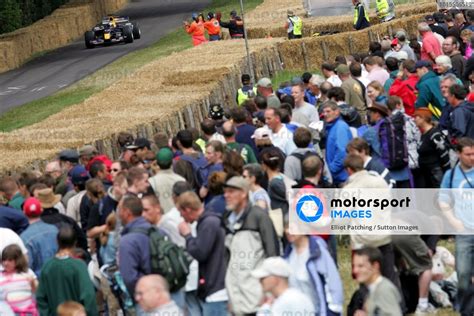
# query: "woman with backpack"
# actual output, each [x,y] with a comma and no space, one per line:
[433,151]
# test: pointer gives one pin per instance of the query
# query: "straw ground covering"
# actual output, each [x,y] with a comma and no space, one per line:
[268,18]
[168,94]
[175,41]
[61,27]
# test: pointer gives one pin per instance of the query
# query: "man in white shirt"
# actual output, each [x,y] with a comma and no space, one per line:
[280,135]
[304,113]
[329,72]
[273,275]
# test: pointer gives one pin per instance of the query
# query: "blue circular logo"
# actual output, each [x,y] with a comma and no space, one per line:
[309,208]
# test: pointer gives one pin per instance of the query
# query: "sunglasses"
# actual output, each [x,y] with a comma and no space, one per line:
[115,170]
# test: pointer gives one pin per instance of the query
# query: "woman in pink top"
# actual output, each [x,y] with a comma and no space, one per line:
[17,282]
[466,38]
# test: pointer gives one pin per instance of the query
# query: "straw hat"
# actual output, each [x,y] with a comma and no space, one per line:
[47,198]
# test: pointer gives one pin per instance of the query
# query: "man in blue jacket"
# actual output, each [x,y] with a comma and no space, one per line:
[338,135]
[461,119]
[134,247]
[429,91]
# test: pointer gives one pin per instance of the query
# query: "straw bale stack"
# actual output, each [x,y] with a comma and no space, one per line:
[293,56]
[165,95]
[63,26]
[264,23]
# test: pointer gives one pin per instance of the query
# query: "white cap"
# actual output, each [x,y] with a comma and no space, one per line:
[276,266]
[400,55]
[261,133]
[264,83]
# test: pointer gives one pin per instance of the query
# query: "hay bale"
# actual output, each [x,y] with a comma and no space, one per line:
[270,23]
[339,44]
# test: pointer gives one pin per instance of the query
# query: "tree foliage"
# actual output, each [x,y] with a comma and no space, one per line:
[15,14]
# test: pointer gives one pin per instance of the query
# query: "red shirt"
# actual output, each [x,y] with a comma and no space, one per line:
[430,44]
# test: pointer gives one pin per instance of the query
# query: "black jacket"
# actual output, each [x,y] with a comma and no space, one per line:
[235,30]
[209,250]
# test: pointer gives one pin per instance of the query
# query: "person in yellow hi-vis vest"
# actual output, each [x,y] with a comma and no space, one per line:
[294,25]
[361,17]
[247,91]
[385,10]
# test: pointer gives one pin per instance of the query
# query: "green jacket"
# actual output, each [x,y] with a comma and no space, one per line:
[244,150]
[65,280]
[429,93]
[17,201]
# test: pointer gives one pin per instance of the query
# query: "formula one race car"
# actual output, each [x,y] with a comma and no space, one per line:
[112,29]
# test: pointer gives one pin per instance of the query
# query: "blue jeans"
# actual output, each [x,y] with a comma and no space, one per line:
[193,304]
[465,271]
[179,298]
[214,308]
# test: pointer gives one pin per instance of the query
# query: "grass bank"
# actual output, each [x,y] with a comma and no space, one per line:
[175,41]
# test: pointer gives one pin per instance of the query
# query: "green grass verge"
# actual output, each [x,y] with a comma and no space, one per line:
[175,41]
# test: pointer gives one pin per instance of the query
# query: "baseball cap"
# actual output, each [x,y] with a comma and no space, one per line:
[261,133]
[290,12]
[70,155]
[400,33]
[422,63]
[32,207]
[238,183]
[264,83]
[401,55]
[140,143]
[164,156]
[296,81]
[79,175]
[342,69]
[87,150]
[276,266]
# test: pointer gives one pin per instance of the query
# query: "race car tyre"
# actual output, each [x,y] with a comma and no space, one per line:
[137,33]
[128,34]
[89,36]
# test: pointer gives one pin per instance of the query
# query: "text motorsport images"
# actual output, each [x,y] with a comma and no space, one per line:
[348,212]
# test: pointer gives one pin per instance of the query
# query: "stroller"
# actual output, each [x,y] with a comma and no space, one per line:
[118,302]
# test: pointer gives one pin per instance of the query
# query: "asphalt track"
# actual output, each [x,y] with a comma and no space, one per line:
[58,69]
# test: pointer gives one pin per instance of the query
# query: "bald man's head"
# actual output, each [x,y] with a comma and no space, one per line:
[228,129]
[152,291]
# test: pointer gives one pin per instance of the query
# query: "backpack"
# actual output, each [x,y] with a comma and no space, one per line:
[393,144]
[167,259]
[197,165]
[323,181]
